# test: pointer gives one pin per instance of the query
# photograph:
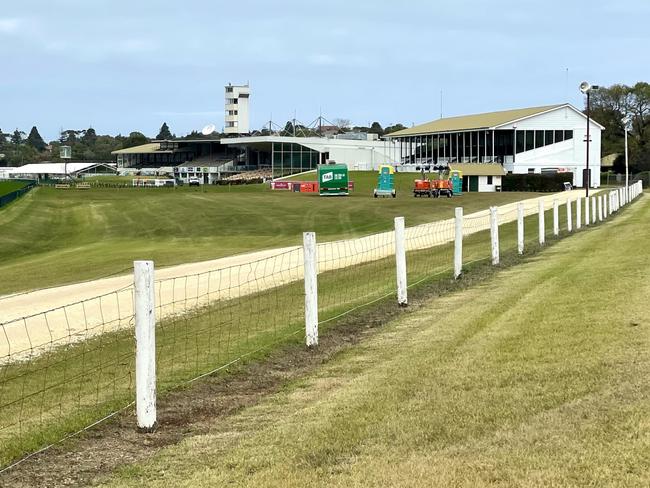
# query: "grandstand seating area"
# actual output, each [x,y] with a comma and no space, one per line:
[250,175]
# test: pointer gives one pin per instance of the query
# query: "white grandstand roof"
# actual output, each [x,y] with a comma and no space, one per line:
[53,168]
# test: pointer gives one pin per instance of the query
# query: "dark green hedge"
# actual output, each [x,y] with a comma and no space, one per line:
[536,182]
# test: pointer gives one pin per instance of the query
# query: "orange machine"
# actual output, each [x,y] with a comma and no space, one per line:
[443,187]
[424,187]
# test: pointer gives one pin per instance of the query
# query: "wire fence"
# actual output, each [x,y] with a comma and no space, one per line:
[65,369]
[7,198]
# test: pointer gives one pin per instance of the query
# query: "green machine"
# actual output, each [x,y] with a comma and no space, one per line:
[333,179]
[456,177]
[385,182]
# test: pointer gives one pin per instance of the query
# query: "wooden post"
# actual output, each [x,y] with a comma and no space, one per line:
[145,345]
[494,234]
[541,226]
[400,260]
[556,217]
[311,288]
[458,242]
[569,217]
[520,228]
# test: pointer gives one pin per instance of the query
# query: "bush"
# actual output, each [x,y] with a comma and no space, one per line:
[536,182]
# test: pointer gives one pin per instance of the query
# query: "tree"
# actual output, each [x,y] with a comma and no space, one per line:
[393,128]
[164,133]
[17,137]
[135,139]
[289,129]
[609,106]
[69,137]
[35,140]
[375,128]
[342,124]
[89,137]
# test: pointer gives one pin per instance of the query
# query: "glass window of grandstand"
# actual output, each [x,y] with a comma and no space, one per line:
[521,136]
[548,137]
[533,139]
[290,158]
[530,140]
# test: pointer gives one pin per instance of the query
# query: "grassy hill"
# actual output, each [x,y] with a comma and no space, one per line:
[54,236]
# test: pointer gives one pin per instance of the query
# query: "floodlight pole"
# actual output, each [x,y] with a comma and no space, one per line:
[626,160]
[587,167]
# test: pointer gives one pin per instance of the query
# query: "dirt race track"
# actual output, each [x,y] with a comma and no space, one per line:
[34,322]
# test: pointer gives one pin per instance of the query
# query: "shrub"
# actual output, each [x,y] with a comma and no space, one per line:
[536,182]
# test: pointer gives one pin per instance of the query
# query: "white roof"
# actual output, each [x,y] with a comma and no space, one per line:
[311,142]
[52,168]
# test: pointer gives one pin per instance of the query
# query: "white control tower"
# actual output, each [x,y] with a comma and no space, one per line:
[237,115]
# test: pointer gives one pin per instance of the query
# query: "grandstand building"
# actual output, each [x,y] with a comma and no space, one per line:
[57,171]
[529,140]
[251,157]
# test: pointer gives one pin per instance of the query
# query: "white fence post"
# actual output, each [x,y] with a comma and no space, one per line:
[400,260]
[578,213]
[520,228]
[593,210]
[605,206]
[599,205]
[311,288]
[458,242]
[569,217]
[542,229]
[494,234]
[587,216]
[556,217]
[145,345]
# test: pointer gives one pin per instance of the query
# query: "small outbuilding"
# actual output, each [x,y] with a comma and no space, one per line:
[481,177]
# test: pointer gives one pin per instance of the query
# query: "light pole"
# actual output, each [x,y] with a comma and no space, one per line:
[626,125]
[586,88]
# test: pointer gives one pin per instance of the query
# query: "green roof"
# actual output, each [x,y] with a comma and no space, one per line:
[152,147]
[473,122]
[478,169]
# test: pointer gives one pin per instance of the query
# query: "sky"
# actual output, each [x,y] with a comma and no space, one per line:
[120,66]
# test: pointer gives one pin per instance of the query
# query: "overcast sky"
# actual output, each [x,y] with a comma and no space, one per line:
[121,66]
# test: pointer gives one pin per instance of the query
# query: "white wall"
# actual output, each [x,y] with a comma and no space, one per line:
[483,184]
[569,154]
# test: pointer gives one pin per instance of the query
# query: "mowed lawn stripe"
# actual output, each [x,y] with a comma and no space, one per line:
[54,237]
[539,377]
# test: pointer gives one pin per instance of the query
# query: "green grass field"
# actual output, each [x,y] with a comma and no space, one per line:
[63,391]
[9,186]
[538,377]
[52,237]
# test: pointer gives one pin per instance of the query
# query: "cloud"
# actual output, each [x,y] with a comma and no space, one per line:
[10,26]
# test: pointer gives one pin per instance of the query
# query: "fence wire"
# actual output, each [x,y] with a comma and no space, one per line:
[67,368]
[62,369]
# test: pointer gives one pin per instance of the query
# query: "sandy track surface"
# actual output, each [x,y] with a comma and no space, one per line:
[33,322]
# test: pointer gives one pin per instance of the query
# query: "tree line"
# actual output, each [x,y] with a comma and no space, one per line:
[611,106]
[18,148]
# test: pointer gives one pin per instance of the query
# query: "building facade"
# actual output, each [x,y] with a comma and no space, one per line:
[237,117]
[530,140]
